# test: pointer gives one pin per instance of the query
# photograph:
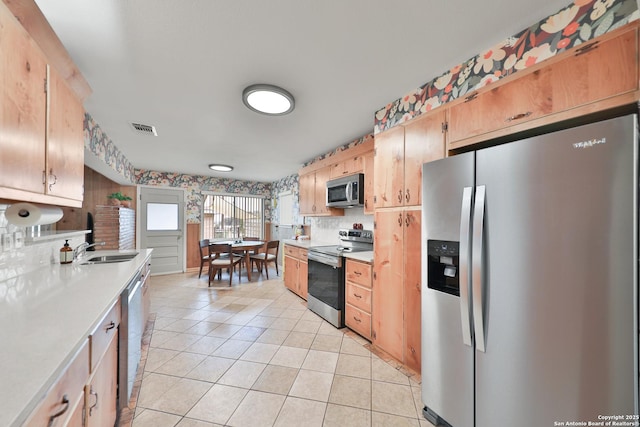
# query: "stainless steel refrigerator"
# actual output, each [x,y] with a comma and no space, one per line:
[530,280]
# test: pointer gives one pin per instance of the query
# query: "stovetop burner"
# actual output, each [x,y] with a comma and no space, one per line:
[337,250]
[351,241]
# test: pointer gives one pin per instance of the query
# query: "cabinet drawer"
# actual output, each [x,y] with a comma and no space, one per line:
[65,393]
[358,296]
[102,335]
[291,251]
[302,254]
[358,272]
[358,320]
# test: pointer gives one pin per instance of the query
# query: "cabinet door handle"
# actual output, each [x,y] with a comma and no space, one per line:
[407,221]
[110,326]
[399,196]
[518,116]
[65,402]
[400,219]
[93,393]
[407,196]
[55,179]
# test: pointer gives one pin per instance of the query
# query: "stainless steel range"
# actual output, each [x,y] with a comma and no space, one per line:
[326,274]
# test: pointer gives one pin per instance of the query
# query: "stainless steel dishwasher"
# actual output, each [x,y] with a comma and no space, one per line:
[130,339]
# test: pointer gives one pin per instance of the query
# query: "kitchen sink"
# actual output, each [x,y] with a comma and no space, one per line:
[108,259]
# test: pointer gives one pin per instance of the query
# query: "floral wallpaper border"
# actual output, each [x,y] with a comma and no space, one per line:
[97,141]
[575,24]
[351,144]
[195,185]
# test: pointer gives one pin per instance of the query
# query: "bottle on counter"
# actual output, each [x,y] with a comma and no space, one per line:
[66,253]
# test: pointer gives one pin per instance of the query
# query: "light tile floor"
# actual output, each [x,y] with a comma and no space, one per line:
[253,355]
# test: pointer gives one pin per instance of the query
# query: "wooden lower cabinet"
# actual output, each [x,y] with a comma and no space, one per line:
[102,389]
[63,403]
[396,302]
[358,297]
[296,270]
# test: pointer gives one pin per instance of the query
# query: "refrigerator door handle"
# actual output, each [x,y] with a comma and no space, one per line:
[464,259]
[477,260]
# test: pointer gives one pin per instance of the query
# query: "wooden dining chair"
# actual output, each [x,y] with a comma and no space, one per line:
[270,254]
[221,257]
[204,254]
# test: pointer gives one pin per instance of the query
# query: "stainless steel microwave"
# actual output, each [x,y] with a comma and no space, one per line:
[346,192]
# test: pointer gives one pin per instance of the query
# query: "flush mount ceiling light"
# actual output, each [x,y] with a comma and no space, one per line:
[221,168]
[268,99]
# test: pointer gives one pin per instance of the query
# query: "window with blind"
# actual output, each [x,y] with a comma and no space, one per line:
[232,217]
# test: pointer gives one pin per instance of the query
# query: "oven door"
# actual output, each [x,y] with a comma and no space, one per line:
[326,288]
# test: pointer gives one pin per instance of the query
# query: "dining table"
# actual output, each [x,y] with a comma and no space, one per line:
[245,246]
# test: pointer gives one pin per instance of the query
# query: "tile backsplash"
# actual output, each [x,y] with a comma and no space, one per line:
[24,249]
[325,229]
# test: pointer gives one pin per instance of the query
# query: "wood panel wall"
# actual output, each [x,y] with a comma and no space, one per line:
[193,251]
[96,189]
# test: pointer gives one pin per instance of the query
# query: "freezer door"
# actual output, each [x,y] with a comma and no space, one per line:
[559,277]
[447,363]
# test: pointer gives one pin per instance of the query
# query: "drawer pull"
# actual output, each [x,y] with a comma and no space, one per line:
[357,296]
[471,97]
[518,116]
[586,48]
[356,319]
[65,402]
[357,273]
[110,326]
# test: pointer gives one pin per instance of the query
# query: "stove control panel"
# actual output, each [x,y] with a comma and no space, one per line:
[356,235]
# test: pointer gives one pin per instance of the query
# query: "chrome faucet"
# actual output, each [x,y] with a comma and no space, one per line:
[82,248]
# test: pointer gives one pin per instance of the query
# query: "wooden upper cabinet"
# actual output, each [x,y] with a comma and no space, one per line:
[521,100]
[307,193]
[424,141]
[347,167]
[322,176]
[313,194]
[598,70]
[388,181]
[41,124]
[598,75]
[368,167]
[22,107]
[65,141]
[399,155]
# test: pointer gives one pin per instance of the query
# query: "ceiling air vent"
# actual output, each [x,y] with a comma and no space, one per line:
[145,129]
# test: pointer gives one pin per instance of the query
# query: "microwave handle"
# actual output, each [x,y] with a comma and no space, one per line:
[349,186]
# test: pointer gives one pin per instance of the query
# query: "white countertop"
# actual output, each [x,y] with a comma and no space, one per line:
[360,256]
[45,316]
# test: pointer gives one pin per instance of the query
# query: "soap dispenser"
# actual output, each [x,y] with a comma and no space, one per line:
[66,253]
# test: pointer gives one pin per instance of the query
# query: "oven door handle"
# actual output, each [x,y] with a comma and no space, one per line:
[335,262]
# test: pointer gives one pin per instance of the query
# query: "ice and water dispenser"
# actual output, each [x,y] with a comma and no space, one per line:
[442,257]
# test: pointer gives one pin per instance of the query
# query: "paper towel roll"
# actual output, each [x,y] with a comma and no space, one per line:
[28,214]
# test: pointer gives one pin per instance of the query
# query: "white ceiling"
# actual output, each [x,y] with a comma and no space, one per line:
[181,66]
